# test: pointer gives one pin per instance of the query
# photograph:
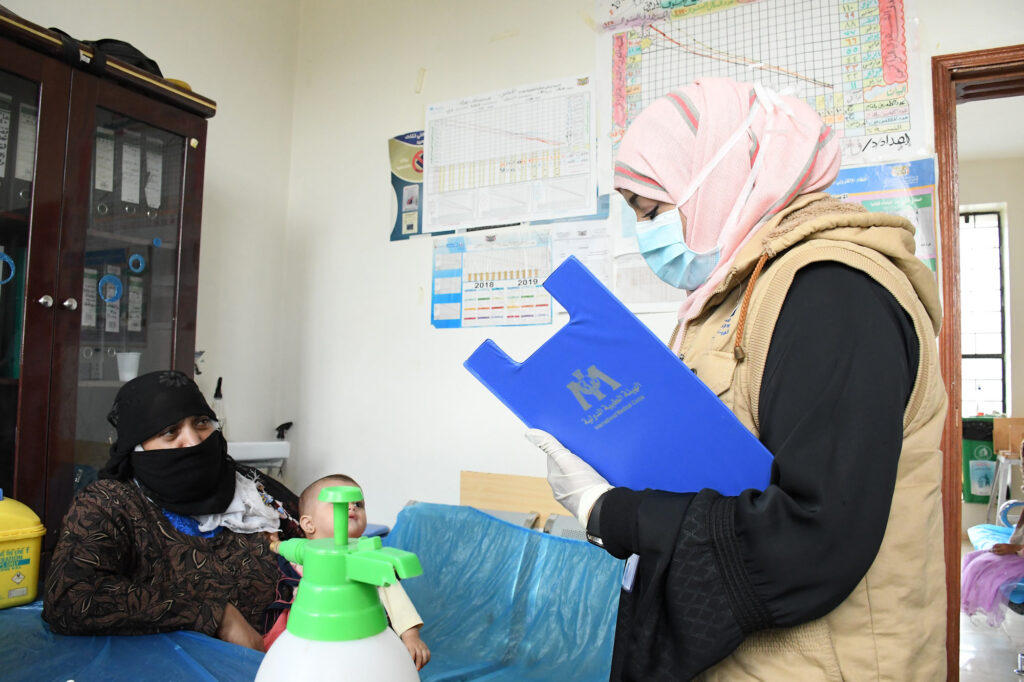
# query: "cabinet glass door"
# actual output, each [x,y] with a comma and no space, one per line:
[130,267]
[18,128]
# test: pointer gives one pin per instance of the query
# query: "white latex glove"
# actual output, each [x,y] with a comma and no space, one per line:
[574,482]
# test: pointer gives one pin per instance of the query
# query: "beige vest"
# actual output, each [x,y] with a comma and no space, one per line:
[892,627]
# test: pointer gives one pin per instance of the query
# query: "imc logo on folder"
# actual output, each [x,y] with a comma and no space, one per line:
[613,393]
[590,385]
[608,407]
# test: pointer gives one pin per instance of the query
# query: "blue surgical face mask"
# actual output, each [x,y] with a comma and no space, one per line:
[661,243]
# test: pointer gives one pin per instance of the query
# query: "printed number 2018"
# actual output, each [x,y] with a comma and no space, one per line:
[483,285]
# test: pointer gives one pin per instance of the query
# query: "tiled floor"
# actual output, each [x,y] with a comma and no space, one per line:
[990,654]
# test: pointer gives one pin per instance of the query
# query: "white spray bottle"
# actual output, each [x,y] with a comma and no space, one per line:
[337,628]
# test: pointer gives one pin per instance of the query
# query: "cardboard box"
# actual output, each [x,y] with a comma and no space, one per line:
[1008,434]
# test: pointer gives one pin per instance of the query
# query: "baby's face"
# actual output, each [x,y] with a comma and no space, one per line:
[356,519]
[323,520]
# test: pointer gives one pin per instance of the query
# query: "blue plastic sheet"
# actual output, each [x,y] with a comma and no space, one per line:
[985,535]
[502,602]
[32,653]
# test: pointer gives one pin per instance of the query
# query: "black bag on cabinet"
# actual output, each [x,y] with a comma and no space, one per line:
[106,47]
[125,52]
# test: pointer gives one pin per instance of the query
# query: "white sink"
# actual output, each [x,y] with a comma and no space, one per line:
[264,453]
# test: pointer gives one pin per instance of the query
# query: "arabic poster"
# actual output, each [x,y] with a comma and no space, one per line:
[491,279]
[849,60]
[509,157]
[904,188]
[406,153]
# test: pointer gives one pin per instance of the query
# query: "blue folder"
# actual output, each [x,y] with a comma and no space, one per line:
[614,394]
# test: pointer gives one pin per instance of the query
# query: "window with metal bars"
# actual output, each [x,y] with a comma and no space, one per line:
[982,314]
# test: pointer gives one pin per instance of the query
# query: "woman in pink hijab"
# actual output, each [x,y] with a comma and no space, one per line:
[815,323]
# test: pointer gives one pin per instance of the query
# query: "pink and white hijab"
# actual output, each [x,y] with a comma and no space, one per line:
[730,155]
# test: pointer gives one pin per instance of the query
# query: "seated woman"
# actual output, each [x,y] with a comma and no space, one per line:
[174,535]
[988,577]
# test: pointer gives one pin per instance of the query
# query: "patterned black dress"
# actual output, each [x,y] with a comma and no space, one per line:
[121,567]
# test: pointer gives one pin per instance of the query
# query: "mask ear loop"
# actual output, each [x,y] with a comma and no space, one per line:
[719,155]
[773,104]
[769,103]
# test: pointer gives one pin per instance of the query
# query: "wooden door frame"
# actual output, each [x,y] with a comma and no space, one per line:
[959,78]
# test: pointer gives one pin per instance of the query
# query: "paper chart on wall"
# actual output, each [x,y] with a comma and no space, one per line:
[590,242]
[491,279]
[513,156]
[847,59]
[906,189]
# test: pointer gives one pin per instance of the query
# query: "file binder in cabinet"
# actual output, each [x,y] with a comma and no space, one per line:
[128,171]
[614,394]
[153,174]
[23,154]
[6,149]
[102,193]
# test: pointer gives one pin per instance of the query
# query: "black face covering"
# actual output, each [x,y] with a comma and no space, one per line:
[196,480]
[144,407]
[193,481]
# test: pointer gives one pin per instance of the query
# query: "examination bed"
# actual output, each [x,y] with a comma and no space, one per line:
[499,601]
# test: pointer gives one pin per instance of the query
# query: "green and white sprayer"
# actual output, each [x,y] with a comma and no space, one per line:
[337,628]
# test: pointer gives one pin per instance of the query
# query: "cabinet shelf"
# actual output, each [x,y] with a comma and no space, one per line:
[128,239]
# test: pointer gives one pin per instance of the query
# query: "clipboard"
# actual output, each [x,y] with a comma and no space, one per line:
[610,391]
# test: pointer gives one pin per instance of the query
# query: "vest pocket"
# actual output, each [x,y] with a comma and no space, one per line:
[715,369]
[804,652]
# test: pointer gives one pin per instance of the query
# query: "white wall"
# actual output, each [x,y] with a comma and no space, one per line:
[948,26]
[240,53]
[990,181]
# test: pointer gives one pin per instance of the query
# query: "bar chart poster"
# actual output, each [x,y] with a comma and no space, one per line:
[847,59]
[491,279]
[503,158]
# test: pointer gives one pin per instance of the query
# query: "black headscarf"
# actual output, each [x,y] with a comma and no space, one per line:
[142,409]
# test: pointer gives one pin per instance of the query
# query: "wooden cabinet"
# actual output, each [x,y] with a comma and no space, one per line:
[101,179]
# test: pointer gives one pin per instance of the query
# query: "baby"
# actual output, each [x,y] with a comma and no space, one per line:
[316,519]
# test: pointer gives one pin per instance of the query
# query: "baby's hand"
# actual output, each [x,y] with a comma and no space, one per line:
[275,540]
[416,646]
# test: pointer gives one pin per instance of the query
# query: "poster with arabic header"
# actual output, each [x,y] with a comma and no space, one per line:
[847,59]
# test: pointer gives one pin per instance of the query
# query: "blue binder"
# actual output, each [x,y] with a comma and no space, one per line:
[614,394]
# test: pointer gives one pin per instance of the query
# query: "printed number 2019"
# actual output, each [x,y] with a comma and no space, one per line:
[528,282]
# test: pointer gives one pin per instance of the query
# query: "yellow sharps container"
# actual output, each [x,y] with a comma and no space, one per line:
[21,535]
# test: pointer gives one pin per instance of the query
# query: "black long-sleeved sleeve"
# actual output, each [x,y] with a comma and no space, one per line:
[839,371]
